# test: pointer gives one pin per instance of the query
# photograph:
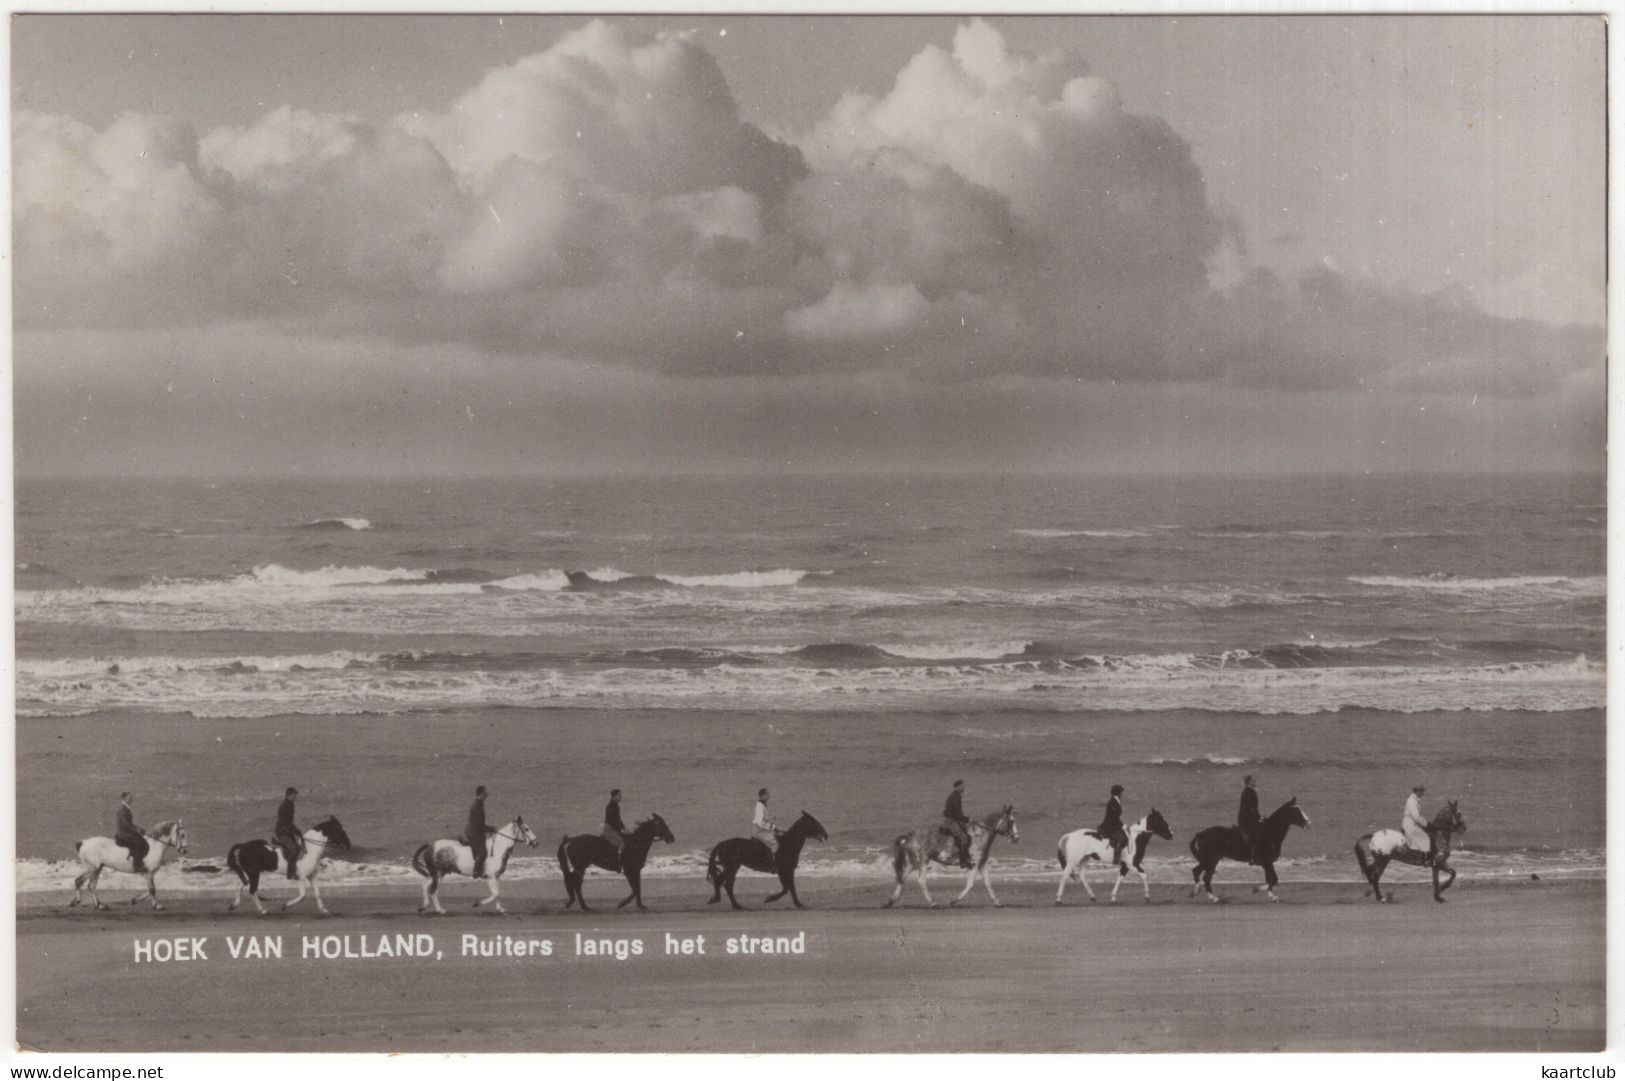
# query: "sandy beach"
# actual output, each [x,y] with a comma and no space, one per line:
[1324,970]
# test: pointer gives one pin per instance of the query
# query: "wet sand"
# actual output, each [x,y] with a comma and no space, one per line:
[1324,970]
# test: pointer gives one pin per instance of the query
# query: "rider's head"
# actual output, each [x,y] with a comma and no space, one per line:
[761,794]
[1117,790]
[479,793]
[614,793]
[290,793]
[1419,789]
[125,797]
[1248,780]
[959,784]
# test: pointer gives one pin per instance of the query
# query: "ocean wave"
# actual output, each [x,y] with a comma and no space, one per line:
[1206,759]
[838,676]
[1101,533]
[1589,585]
[337,523]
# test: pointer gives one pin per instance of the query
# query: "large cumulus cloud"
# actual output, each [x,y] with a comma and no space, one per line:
[990,215]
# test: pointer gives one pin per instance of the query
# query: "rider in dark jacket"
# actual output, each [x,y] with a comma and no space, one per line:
[1247,817]
[128,835]
[954,822]
[287,835]
[476,829]
[1111,827]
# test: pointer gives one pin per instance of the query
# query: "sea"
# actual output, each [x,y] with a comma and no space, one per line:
[857,642]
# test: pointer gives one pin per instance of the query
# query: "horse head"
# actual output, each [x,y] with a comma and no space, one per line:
[1449,819]
[173,834]
[330,828]
[1296,816]
[810,827]
[522,832]
[1006,823]
[1158,825]
[656,827]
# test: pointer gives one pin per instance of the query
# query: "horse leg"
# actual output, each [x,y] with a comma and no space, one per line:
[970,882]
[1122,873]
[316,891]
[152,891]
[987,884]
[1083,877]
[787,884]
[1145,883]
[1207,880]
[78,886]
[924,867]
[728,880]
[1196,879]
[896,893]
[581,889]
[494,897]
[300,896]
[1438,890]
[1270,881]
[90,884]
[715,878]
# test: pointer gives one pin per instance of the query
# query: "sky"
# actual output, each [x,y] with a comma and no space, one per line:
[345,245]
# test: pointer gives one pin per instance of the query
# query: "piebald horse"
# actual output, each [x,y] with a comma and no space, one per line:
[723,865]
[1376,850]
[914,853]
[251,859]
[1074,850]
[1226,843]
[585,850]
[165,841]
[437,859]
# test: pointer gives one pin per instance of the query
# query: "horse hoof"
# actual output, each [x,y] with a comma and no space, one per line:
[101,907]
[713,900]
[888,904]
[74,903]
[156,907]
[933,904]
[1093,899]
[1439,899]
[998,904]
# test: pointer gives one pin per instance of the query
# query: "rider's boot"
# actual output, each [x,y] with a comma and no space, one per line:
[479,868]
[293,864]
[964,854]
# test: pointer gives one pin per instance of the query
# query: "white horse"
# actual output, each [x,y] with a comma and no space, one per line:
[915,852]
[438,859]
[251,859]
[1077,848]
[165,841]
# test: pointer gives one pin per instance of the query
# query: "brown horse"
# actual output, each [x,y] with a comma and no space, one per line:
[1376,851]
[914,853]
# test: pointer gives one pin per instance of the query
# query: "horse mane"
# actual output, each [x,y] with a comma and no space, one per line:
[161,828]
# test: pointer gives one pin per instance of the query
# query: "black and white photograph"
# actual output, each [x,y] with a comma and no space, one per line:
[753,533]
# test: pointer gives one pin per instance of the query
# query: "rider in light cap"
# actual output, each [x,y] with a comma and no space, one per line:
[1414,826]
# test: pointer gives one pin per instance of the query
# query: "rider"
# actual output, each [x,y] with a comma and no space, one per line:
[1111,827]
[614,829]
[761,826]
[1414,826]
[1247,817]
[287,835]
[128,835]
[954,822]
[476,829]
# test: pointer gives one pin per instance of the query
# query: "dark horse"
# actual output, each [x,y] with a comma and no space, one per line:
[737,852]
[1376,850]
[1226,843]
[578,853]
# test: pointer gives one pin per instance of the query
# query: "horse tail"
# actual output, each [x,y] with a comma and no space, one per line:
[712,872]
[1196,853]
[1359,855]
[235,865]
[77,845]
[1060,853]
[564,854]
[420,862]
[899,856]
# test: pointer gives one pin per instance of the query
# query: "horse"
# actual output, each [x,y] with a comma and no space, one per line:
[1376,850]
[585,850]
[736,852]
[251,859]
[914,852]
[99,854]
[437,859]
[1074,850]
[1226,843]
